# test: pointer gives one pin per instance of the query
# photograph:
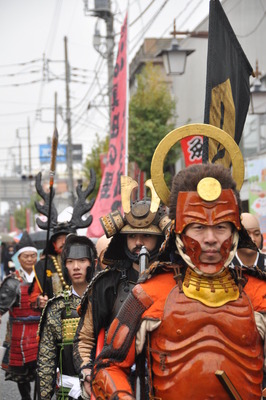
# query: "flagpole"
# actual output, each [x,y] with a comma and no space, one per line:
[127,100]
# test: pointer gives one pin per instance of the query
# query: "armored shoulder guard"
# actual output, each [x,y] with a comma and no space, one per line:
[9,293]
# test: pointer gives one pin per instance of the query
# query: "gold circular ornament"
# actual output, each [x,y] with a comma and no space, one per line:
[209,189]
[173,137]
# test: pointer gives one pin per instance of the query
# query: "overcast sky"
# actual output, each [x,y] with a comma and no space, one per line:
[32,31]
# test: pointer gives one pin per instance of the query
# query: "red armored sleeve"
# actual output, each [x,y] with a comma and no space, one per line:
[112,367]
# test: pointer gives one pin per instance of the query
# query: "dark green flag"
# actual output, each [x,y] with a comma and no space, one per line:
[227,86]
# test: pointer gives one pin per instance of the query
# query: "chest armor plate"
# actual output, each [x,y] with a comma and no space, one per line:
[69,327]
[194,341]
[70,322]
[24,310]
[24,325]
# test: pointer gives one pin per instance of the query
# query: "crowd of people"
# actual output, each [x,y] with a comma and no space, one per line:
[188,322]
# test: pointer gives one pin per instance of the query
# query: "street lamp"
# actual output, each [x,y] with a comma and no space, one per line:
[254,134]
[258,94]
[174,58]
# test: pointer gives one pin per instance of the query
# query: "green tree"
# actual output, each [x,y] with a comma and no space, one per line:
[151,112]
[93,161]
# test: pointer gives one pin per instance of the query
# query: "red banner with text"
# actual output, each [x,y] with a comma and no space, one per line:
[192,150]
[109,195]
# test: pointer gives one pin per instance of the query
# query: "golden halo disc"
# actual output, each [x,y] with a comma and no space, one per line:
[175,136]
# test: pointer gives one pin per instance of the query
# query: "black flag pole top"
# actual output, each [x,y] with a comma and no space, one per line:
[227,84]
[51,185]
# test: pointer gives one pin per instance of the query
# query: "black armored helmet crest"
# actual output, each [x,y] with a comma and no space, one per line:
[81,207]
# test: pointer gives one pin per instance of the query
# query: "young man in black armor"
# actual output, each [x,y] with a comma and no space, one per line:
[144,224]
[60,319]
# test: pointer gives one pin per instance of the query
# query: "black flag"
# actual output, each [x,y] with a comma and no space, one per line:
[227,86]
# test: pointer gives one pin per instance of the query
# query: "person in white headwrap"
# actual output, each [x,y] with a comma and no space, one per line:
[21,355]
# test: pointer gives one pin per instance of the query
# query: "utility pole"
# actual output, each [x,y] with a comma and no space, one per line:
[55,111]
[20,157]
[109,20]
[69,139]
[29,145]
[102,9]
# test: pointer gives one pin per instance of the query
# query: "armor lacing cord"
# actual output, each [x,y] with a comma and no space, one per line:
[67,302]
[60,273]
[240,279]
[68,313]
[61,367]
[178,278]
[124,280]
[117,393]
[150,382]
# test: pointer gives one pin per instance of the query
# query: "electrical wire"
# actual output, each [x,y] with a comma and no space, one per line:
[33,71]
[90,96]
[191,14]
[178,17]
[141,14]
[146,28]
[21,63]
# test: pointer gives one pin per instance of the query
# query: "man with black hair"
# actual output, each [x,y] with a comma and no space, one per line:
[144,224]
[60,319]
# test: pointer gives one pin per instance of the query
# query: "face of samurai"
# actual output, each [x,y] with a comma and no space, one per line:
[59,243]
[77,269]
[210,239]
[136,240]
[27,260]
[205,206]
[206,229]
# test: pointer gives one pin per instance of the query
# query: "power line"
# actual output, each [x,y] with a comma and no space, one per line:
[53,28]
[33,71]
[141,14]
[96,92]
[144,30]
[21,84]
[21,63]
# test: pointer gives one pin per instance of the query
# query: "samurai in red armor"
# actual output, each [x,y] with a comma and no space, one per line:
[20,361]
[189,312]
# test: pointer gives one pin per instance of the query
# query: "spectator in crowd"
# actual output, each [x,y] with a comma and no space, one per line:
[249,257]
[9,252]
[2,271]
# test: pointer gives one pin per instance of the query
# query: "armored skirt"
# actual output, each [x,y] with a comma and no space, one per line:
[20,362]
